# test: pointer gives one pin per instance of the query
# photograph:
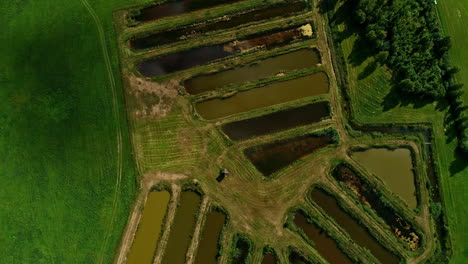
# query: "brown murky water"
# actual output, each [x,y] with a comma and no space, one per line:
[394,167]
[182,228]
[149,228]
[174,34]
[369,196]
[295,60]
[174,8]
[269,258]
[272,94]
[208,247]
[325,245]
[278,121]
[272,157]
[202,55]
[357,231]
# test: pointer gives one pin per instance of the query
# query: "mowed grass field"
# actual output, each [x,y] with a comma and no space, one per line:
[61,124]
[454,17]
[373,100]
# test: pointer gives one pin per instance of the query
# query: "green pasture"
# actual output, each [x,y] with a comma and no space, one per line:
[454,17]
[61,112]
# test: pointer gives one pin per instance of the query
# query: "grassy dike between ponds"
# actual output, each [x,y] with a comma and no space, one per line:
[340,248]
[246,195]
[357,230]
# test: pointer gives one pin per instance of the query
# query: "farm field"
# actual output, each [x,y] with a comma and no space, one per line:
[453,15]
[454,18]
[217,145]
[67,177]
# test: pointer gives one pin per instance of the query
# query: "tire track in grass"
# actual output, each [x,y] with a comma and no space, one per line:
[119,160]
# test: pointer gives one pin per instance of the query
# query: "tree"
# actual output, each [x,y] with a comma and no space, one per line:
[382,57]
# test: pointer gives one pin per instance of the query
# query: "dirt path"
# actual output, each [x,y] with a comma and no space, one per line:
[115,111]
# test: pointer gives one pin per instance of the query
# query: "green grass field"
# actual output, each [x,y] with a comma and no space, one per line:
[373,101]
[61,125]
[454,17]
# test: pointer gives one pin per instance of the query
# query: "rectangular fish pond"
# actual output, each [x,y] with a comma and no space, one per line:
[269,95]
[272,157]
[208,247]
[370,196]
[277,121]
[356,230]
[182,228]
[172,34]
[198,56]
[325,245]
[174,8]
[299,59]
[394,167]
[149,229]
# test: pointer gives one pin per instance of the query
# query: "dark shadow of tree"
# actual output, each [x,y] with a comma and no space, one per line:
[370,68]
[459,164]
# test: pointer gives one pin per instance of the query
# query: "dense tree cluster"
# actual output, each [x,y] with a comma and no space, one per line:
[406,35]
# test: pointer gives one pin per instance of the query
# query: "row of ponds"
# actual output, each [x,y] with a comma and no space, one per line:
[175,34]
[148,233]
[176,7]
[394,168]
[186,59]
[268,159]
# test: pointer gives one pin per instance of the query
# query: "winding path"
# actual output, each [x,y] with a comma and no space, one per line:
[115,110]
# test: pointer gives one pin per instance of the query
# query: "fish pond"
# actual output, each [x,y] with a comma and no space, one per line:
[278,121]
[357,231]
[368,195]
[198,56]
[295,60]
[272,157]
[325,245]
[149,228]
[174,8]
[182,228]
[394,167]
[208,247]
[269,258]
[172,34]
[272,94]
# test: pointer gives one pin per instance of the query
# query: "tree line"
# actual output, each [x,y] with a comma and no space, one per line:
[406,36]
